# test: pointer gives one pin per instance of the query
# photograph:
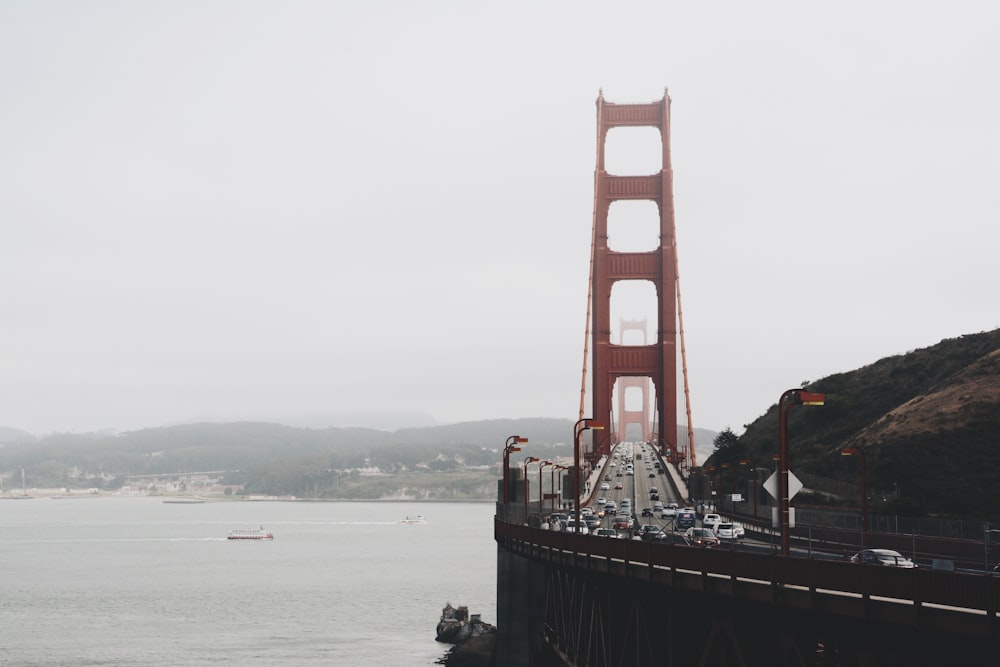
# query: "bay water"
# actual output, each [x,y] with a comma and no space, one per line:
[136,581]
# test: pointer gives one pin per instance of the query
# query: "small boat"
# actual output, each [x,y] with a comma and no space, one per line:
[414,520]
[251,534]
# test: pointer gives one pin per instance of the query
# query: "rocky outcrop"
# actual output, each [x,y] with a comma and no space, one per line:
[472,638]
[456,626]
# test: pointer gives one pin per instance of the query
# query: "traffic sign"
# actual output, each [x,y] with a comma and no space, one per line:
[771,485]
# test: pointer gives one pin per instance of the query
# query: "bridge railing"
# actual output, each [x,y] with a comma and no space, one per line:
[974,597]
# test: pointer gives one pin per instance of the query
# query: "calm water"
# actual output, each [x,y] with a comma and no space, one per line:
[135,581]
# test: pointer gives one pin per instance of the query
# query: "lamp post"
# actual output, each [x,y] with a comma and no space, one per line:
[578,428]
[530,459]
[722,484]
[711,486]
[755,484]
[788,399]
[541,487]
[860,453]
[510,446]
[745,464]
[552,483]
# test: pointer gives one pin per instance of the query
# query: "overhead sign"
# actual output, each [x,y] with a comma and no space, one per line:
[771,485]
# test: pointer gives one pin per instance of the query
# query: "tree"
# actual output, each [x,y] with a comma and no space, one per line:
[728,448]
[726,441]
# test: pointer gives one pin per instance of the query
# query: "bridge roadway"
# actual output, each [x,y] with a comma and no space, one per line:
[572,599]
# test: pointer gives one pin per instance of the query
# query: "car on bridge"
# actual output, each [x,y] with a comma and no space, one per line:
[606,532]
[725,530]
[622,522]
[701,537]
[685,518]
[711,521]
[885,557]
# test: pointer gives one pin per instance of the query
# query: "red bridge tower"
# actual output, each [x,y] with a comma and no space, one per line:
[657,361]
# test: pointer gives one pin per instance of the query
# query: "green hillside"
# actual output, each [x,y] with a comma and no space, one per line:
[928,422]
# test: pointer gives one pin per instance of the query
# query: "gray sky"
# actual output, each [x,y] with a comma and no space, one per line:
[242,210]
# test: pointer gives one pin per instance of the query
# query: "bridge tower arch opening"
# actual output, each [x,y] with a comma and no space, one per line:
[655,361]
[633,392]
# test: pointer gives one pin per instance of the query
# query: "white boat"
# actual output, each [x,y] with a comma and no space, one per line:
[250,534]
[414,520]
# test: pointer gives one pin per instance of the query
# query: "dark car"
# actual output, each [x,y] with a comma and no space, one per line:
[886,557]
[701,537]
[685,518]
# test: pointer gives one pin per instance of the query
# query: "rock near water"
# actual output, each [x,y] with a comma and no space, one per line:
[472,638]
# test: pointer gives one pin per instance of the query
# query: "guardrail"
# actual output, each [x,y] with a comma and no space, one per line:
[967,603]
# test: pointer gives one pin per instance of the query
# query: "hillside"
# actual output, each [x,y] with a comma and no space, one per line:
[927,421]
[455,461]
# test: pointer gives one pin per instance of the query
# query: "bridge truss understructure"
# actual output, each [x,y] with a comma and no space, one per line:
[612,602]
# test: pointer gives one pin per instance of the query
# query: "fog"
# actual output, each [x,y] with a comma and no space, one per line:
[258,210]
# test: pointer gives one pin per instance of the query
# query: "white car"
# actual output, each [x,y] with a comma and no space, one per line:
[573,526]
[725,531]
[605,486]
[711,521]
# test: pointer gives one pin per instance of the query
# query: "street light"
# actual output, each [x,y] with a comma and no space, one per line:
[510,446]
[788,399]
[745,463]
[578,428]
[541,487]
[722,484]
[552,483]
[711,487]
[530,459]
[860,453]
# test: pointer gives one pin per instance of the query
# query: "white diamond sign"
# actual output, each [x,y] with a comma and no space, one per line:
[771,485]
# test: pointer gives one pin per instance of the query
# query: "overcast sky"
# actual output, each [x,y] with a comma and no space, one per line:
[228,209]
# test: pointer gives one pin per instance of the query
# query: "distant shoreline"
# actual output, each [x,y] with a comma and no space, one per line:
[181,499]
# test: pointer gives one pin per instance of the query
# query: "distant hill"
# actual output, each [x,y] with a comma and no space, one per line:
[276,459]
[928,421]
[10,435]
